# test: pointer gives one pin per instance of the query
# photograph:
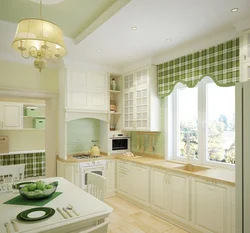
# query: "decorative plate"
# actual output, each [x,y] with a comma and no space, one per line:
[35,214]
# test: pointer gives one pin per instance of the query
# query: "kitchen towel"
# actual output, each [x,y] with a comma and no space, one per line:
[19,200]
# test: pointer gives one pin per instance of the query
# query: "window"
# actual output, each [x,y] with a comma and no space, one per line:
[203,123]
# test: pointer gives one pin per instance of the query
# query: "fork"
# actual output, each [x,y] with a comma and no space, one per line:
[7,227]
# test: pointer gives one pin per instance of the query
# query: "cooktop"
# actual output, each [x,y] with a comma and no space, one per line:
[85,156]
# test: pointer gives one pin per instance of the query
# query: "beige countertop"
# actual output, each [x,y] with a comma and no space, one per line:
[212,174]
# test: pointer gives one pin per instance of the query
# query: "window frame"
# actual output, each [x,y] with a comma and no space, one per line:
[172,136]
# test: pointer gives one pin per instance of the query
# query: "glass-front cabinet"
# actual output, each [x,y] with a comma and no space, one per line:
[141,104]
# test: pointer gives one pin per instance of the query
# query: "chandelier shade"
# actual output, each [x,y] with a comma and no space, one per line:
[40,39]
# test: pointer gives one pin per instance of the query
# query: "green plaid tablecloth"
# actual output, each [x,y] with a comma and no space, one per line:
[220,62]
[34,163]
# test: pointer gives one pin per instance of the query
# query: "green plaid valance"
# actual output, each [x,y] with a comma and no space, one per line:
[220,62]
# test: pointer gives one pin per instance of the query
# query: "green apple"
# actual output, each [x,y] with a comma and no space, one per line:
[31,187]
[48,186]
[24,189]
[40,185]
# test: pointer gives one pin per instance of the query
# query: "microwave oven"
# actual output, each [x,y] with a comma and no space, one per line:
[119,144]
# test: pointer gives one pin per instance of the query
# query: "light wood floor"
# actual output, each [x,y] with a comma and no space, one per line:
[128,218]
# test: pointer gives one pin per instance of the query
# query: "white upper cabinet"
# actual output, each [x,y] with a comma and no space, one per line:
[11,115]
[246,46]
[246,55]
[141,109]
[86,90]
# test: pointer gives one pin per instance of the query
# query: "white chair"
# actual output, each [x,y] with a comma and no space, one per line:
[12,171]
[96,185]
[100,228]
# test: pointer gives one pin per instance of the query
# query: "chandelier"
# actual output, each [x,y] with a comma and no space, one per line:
[40,39]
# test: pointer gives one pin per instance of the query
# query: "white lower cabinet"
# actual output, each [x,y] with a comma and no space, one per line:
[179,196]
[123,178]
[159,190]
[110,175]
[211,207]
[69,171]
[140,183]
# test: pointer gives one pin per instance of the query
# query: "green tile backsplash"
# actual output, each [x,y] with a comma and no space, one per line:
[80,134]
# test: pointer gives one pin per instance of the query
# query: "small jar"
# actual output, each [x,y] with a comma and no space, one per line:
[113,84]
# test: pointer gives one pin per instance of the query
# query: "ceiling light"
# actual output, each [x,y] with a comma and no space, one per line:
[129,57]
[40,39]
[134,28]
[99,50]
[234,9]
[168,39]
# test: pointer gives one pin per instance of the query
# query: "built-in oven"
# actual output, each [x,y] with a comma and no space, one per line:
[94,166]
[119,144]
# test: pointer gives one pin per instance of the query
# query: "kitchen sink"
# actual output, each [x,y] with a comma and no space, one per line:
[192,168]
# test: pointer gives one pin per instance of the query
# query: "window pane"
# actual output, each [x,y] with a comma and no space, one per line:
[221,123]
[188,121]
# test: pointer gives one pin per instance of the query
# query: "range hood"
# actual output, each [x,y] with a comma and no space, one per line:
[73,114]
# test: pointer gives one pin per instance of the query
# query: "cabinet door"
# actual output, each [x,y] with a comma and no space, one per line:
[141,109]
[142,78]
[110,175]
[140,183]
[128,82]
[123,178]
[159,194]
[210,207]
[12,116]
[179,197]
[129,110]
[123,182]
[246,49]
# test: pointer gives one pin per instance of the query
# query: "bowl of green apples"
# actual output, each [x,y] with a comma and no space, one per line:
[38,190]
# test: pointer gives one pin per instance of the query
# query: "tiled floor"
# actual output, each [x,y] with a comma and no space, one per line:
[128,218]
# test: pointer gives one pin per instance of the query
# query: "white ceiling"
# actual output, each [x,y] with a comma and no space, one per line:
[186,22]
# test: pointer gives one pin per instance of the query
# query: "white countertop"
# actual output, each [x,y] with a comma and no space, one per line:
[86,205]
[22,152]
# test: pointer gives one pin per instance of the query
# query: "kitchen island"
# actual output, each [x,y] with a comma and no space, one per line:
[91,211]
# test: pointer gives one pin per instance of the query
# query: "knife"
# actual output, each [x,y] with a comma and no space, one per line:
[62,213]
[64,209]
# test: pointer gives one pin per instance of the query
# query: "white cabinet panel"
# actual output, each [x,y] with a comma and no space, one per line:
[159,190]
[140,183]
[179,196]
[110,175]
[210,207]
[11,115]
[77,78]
[97,80]
[86,90]
[123,178]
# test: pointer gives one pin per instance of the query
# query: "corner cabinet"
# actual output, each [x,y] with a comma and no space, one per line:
[141,105]
[86,90]
[110,175]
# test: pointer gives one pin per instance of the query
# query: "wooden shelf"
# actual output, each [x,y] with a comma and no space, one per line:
[115,113]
